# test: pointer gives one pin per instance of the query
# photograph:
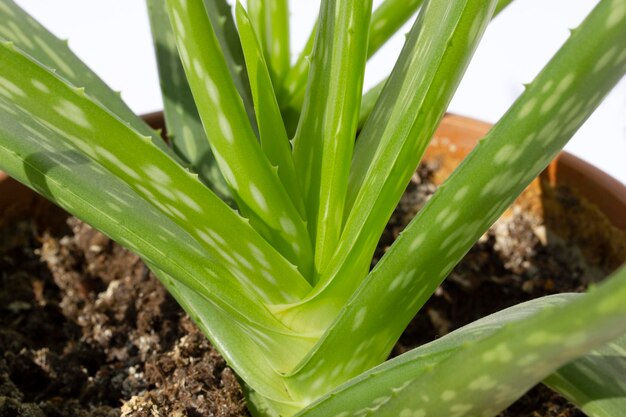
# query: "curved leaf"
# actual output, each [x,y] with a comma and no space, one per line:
[501,357]
[37,156]
[274,140]
[270,19]
[596,382]
[253,181]
[371,97]
[183,123]
[74,121]
[221,16]
[27,34]
[324,140]
[518,148]
[386,21]
[390,145]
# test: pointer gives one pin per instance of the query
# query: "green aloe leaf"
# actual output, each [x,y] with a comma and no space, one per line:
[325,137]
[372,95]
[270,18]
[386,20]
[518,148]
[254,183]
[502,4]
[25,32]
[390,146]
[501,357]
[596,382]
[47,165]
[369,102]
[183,123]
[274,140]
[39,156]
[235,249]
[291,96]
[221,16]
[55,139]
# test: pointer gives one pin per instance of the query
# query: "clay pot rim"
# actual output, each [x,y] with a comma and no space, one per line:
[604,191]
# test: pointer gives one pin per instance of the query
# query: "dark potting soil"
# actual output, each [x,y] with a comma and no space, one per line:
[86,330]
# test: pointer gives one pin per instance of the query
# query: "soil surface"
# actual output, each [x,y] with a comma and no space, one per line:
[86,330]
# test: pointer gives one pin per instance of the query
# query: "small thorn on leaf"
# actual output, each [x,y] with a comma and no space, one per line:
[79,90]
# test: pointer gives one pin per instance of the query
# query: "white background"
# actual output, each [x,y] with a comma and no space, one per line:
[113,37]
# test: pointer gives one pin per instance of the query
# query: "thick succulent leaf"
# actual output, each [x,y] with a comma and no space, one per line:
[256,14]
[35,155]
[596,382]
[369,102]
[515,151]
[391,143]
[391,15]
[291,95]
[254,183]
[25,32]
[274,140]
[501,357]
[379,382]
[386,20]
[371,97]
[183,123]
[270,19]
[237,251]
[502,4]
[221,16]
[325,137]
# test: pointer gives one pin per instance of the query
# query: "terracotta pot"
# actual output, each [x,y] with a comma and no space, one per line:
[580,204]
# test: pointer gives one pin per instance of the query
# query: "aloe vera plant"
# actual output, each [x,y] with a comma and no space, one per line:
[262,214]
